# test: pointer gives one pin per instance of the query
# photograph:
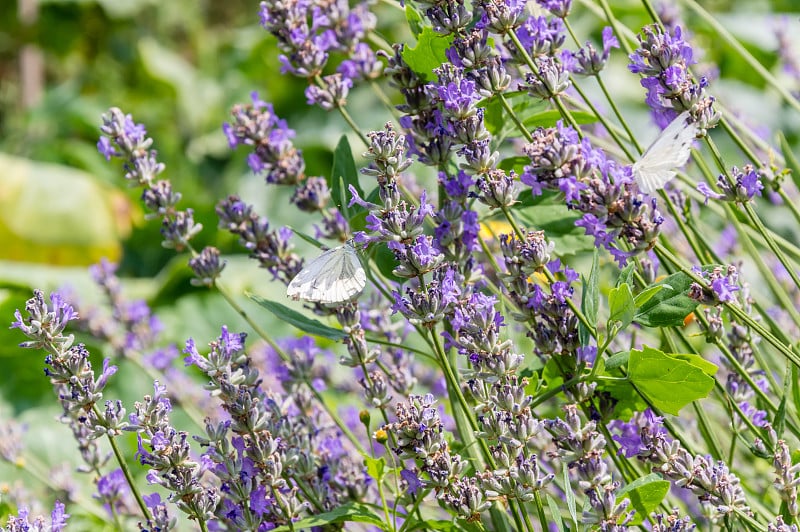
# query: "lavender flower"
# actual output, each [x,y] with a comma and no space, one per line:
[596,186]
[271,248]
[125,139]
[746,184]
[273,154]
[664,61]
[587,61]
[722,284]
[331,93]
[114,493]
[206,267]
[21,522]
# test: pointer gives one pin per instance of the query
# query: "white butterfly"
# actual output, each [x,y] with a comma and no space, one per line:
[668,152]
[333,277]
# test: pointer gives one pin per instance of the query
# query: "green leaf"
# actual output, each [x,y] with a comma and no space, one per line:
[376,467]
[620,301]
[516,163]
[414,20]
[429,53]
[555,513]
[551,117]
[645,494]
[590,301]
[709,368]
[626,275]
[669,383]
[526,109]
[617,360]
[570,496]
[343,174]
[551,375]
[670,306]
[308,238]
[645,295]
[351,512]
[298,320]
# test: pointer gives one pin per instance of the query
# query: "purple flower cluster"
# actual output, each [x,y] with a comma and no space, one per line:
[715,486]
[582,447]
[274,155]
[270,446]
[722,285]
[615,214]
[270,247]
[22,522]
[664,60]
[587,61]
[125,139]
[308,31]
[166,451]
[744,185]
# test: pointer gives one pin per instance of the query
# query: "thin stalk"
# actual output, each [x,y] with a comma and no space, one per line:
[735,310]
[731,41]
[514,118]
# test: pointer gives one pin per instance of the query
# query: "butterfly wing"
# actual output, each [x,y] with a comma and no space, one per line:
[668,152]
[333,277]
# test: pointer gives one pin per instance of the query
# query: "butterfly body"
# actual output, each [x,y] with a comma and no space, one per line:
[333,277]
[668,152]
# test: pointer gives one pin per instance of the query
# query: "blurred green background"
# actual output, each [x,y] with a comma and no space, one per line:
[178,66]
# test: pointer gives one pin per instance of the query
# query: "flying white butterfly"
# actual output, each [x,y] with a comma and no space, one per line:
[668,152]
[333,277]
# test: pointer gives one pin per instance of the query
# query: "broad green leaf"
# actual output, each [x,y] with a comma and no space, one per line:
[670,306]
[516,163]
[298,320]
[551,117]
[645,494]
[709,368]
[344,174]
[526,109]
[669,383]
[376,467]
[551,376]
[57,215]
[414,20]
[645,295]
[617,359]
[622,308]
[626,275]
[352,512]
[429,53]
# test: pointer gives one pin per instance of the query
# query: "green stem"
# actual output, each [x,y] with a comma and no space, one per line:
[735,310]
[731,41]
[127,472]
[514,118]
